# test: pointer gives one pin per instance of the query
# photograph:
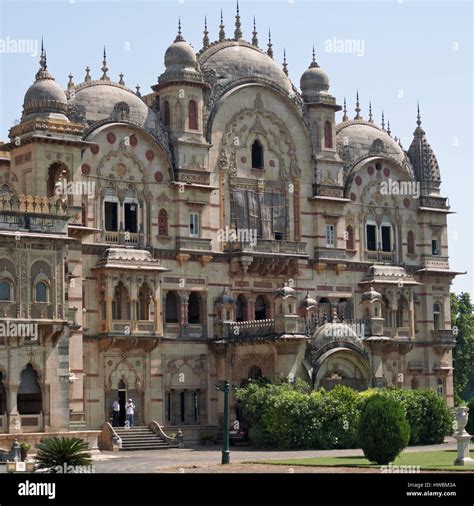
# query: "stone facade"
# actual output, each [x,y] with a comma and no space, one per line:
[222,226]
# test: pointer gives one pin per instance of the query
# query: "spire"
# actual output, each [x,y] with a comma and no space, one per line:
[254,34]
[104,68]
[221,29]
[237,31]
[418,116]
[179,37]
[270,45]
[43,72]
[383,122]
[357,108]
[370,113]
[285,65]
[87,78]
[137,93]
[345,117]
[205,39]
[121,81]
[70,84]
[313,63]
[388,127]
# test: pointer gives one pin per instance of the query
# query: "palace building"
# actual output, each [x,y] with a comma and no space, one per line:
[227,225]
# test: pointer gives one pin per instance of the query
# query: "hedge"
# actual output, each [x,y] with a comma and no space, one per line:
[290,416]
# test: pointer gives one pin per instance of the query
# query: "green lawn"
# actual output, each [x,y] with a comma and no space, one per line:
[435,460]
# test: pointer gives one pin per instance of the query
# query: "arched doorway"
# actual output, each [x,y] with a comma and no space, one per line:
[194,308]
[260,308]
[29,399]
[171,308]
[122,397]
[241,309]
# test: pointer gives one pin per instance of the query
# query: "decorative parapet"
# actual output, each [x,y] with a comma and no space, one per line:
[193,244]
[270,246]
[434,202]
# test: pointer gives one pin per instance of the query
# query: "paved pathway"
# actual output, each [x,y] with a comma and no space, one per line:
[201,457]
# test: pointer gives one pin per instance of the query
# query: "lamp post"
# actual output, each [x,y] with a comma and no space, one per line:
[224,386]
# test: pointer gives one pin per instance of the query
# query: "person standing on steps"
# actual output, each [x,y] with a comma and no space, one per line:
[115,412]
[130,409]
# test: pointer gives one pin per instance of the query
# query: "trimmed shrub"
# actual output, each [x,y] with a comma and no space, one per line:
[470,420]
[383,429]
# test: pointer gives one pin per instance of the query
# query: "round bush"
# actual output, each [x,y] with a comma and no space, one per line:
[383,429]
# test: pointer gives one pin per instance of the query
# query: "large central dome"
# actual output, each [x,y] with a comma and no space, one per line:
[239,61]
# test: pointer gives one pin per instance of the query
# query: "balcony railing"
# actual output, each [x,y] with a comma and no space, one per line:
[380,256]
[31,423]
[126,238]
[330,254]
[270,246]
[444,336]
[193,244]
[130,327]
[415,365]
[434,262]
[251,328]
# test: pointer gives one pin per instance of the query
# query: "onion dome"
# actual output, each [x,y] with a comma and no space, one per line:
[423,159]
[313,81]
[225,298]
[371,295]
[308,302]
[45,98]
[180,62]
[285,291]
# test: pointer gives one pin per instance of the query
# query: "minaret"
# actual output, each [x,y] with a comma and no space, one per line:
[345,117]
[104,68]
[270,45]
[205,39]
[237,31]
[221,29]
[370,113]
[254,34]
[285,64]
[357,108]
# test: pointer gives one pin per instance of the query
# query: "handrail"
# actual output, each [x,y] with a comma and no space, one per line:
[112,441]
[158,429]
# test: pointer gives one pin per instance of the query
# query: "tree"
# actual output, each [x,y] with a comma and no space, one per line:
[462,318]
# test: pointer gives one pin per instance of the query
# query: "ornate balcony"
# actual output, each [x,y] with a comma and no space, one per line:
[247,330]
[269,246]
[122,238]
[436,263]
[322,254]
[387,257]
[193,244]
[443,340]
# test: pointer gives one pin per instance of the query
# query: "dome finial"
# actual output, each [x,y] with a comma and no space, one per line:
[345,117]
[179,37]
[205,39]
[121,81]
[383,122]
[313,63]
[357,108]
[237,31]
[285,64]
[87,78]
[42,62]
[254,34]
[388,127]
[70,84]
[418,116]
[221,29]
[137,88]
[104,68]
[370,112]
[270,45]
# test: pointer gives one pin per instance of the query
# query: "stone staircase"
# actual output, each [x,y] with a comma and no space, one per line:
[142,438]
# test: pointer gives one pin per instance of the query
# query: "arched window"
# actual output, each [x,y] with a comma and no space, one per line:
[41,292]
[166,113]
[171,308]
[5,290]
[57,174]
[371,235]
[436,316]
[194,313]
[440,387]
[163,223]
[327,134]
[410,243]
[255,373]
[435,245]
[260,308]
[386,236]
[241,309]
[349,238]
[111,209]
[192,115]
[257,155]
[120,303]
[29,393]
[144,299]
[401,308]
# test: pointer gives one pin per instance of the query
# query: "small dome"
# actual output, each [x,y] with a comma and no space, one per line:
[333,330]
[314,81]
[371,295]
[45,97]
[180,53]
[225,298]
[308,302]
[285,291]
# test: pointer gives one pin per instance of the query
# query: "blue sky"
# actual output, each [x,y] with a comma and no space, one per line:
[411,51]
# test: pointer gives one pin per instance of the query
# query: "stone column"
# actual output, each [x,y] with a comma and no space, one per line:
[108,314]
[251,308]
[184,298]
[14,421]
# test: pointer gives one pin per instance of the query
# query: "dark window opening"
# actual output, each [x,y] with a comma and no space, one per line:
[349,238]
[196,406]
[131,214]
[163,223]
[193,308]
[41,292]
[255,373]
[371,237]
[328,135]
[29,399]
[192,115]
[434,247]
[5,290]
[166,113]
[386,239]
[257,155]
[279,236]
[410,243]
[111,216]
[241,309]
[171,308]
[182,406]
[260,308]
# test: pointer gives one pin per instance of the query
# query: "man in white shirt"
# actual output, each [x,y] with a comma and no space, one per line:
[115,412]
[130,409]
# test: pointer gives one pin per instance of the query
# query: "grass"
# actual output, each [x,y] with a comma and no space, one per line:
[434,460]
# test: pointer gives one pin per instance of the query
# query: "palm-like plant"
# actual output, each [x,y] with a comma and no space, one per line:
[60,451]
